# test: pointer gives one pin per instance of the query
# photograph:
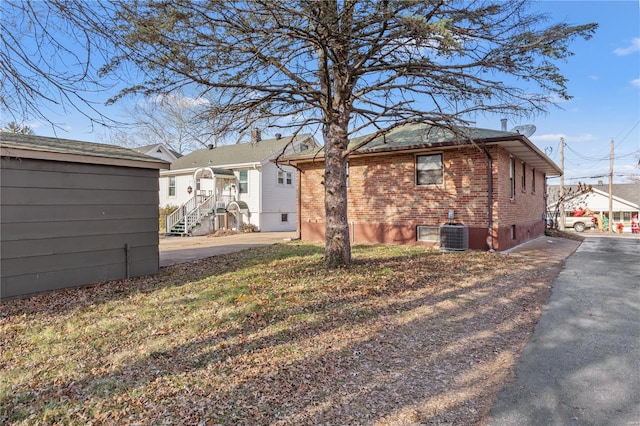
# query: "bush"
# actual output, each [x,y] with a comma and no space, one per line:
[248,227]
[164,212]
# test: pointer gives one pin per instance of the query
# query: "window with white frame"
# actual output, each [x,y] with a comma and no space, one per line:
[172,186]
[512,177]
[533,180]
[243,182]
[285,178]
[428,233]
[429,169]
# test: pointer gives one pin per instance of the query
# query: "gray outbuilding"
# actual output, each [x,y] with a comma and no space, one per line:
[74,213]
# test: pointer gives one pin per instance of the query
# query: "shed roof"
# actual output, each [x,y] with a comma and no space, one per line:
[56,149]
[242,153]
[423,136]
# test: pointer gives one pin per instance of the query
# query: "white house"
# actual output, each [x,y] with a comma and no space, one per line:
[625,201]
[228,186]
[160,151]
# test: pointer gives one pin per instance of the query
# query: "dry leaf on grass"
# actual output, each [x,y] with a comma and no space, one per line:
[268,336]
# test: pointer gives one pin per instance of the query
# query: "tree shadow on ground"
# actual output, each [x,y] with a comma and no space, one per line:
[400,349]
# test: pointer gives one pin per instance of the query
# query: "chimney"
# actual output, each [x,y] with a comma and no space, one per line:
[255,135]
[504,124]
[278,135]
[600,182]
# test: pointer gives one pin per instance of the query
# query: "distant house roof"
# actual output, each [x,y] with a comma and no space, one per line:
[155,149]
[422,136]
[625,191]
[243,153]
[55,149]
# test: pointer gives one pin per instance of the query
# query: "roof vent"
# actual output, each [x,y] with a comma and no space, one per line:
[278,136]
[211,146]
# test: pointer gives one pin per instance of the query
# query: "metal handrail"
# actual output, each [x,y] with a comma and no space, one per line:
[181,212]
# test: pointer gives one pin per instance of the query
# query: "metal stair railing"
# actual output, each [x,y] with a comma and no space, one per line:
[180,213]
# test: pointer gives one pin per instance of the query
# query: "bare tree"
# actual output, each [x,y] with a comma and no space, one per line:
[49,58]
[345,66]
[181,123]
[557,201]
[14,127]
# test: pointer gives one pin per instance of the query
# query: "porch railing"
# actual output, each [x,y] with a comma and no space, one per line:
[180,213]
[192,211]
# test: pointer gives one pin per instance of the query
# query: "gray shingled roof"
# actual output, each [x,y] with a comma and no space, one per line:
[71,147]
[417,135]
[236,154]
[421,136]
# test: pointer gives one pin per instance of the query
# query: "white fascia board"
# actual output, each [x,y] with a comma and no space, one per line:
[191,170]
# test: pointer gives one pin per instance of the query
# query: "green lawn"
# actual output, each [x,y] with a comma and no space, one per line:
[268,336]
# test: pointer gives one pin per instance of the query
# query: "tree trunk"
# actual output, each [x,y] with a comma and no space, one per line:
[337,246]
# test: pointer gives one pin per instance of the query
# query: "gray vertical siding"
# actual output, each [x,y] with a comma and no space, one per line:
[66,224]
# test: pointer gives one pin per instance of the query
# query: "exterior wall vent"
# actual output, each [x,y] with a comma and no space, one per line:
[454,237]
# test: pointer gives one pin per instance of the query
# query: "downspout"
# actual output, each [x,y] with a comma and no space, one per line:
[489,196]
[258,168]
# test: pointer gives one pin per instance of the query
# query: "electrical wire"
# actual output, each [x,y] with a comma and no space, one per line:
[628,133]
[584,157]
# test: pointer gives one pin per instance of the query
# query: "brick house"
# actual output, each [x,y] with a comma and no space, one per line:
[404,187]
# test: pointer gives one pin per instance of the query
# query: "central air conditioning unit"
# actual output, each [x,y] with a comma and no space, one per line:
[454,237]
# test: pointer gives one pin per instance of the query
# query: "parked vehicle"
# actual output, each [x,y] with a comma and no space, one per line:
[578,223]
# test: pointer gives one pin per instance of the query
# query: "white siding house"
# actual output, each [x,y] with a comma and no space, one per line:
[227,186]
[625,202]
[159,151]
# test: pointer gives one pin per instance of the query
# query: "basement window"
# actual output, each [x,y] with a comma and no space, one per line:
[430,234]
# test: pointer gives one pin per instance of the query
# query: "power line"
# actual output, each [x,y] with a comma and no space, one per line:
[584,157]
[628,133]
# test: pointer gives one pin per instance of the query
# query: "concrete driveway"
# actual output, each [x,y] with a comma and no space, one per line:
[187,249]
[582,364]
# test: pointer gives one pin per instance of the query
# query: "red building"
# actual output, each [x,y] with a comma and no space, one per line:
[403,188]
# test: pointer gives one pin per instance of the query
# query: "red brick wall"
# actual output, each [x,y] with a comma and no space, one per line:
[525,210]
[385,204]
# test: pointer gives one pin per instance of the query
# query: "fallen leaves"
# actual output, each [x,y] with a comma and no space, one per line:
[268,336]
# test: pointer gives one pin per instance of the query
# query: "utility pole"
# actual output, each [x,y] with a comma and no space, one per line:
[610,230]
[562,213]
